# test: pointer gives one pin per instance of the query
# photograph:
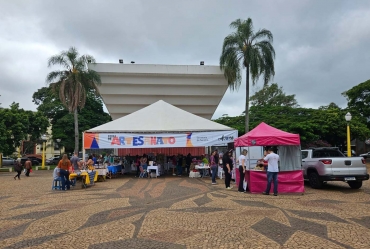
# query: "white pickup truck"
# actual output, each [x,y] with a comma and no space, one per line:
[329,164]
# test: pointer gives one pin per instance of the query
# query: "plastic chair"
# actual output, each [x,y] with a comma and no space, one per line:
[57,184]
[91,177]
[153,173]
[220,172]
[143,172]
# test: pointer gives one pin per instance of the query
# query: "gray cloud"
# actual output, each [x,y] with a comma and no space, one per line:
[321,46]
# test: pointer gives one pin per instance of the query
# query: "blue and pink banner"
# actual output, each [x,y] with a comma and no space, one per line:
[157,140]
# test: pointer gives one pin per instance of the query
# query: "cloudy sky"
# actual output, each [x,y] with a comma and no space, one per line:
[322,47]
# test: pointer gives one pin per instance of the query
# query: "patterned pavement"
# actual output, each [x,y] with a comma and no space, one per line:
[178,212]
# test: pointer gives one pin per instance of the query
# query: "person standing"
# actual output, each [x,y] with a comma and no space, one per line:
[63,166]
[217,158]
[228,167]
[214,166]
[28,166]
[242,160]
[75,162]
[272,171]
[18,168]
[188,163]
[137,165]
[179,165]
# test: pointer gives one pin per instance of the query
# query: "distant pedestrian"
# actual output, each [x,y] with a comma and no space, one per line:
[242,160]
[63,166]
[228,167]
[214,166]
[188,161]
[137,165]
[75,162]
[179,165]
[217,158]
[28,166]
[18,168]
[272,171]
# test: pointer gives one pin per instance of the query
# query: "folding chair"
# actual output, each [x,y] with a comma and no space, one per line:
[143,172]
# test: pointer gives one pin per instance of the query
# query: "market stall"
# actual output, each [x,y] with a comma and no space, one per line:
[159,125]
[290,177]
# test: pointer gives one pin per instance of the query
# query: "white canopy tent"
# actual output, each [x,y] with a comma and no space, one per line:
[158,125]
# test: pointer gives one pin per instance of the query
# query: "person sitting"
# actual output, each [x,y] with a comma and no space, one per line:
[205,160]
[90,163]
[56,174]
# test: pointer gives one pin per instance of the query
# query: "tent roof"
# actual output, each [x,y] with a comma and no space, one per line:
[160,117]
[264,135]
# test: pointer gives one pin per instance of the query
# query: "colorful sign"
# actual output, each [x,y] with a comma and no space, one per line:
[157,140]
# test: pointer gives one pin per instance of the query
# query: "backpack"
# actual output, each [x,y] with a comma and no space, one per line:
[18,166]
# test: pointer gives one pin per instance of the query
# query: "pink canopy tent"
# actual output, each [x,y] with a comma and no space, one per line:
[264,135]
[290,176]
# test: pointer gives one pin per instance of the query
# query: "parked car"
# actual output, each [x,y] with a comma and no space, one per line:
[35,160]
[329,164]
[353,153]
[8,161]
[53,160]
[366,155]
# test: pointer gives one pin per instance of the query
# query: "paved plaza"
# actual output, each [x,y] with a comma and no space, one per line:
[178,212]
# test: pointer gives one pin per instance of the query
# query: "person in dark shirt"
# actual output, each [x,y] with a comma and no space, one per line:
[188,161]
[179,165]
[217,157]
[228,167]
[94,159]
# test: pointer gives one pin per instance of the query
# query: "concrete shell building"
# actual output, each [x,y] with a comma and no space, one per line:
[127,88]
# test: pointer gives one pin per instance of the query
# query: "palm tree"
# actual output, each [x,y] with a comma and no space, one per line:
[246,49]
[73,82]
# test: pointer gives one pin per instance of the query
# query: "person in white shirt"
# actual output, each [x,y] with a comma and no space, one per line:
[56,174]
[242,168]
[272,171]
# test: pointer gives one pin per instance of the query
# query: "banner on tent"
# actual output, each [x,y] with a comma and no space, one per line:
[156,140]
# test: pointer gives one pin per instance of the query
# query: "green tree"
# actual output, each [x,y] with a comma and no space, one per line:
[90,116]
[17,125]
[247,49]
[273,95]
[73,82]
[323,126]
[358,98]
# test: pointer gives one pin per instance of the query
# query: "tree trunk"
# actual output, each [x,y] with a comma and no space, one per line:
[76,131]
[247,101]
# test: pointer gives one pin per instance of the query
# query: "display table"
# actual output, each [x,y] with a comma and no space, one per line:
[193,174]
[114,169]
[153,167]
[203,169]
[88,178]
[102,173]
[288,181]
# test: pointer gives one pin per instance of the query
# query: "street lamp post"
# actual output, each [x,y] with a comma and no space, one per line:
[348,118]
[60,150]
[44,139]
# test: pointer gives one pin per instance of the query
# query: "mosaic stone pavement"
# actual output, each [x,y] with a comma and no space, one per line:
[178,212]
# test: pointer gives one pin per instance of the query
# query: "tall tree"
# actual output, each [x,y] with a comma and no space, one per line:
[250,50]
[90,116]
[358,98]
[73,82]
[18,124]
[273,95]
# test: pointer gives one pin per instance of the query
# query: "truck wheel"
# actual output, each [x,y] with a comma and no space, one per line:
[355,184]
[314,180]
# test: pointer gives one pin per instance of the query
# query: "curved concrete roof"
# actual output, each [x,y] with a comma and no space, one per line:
[127,88]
